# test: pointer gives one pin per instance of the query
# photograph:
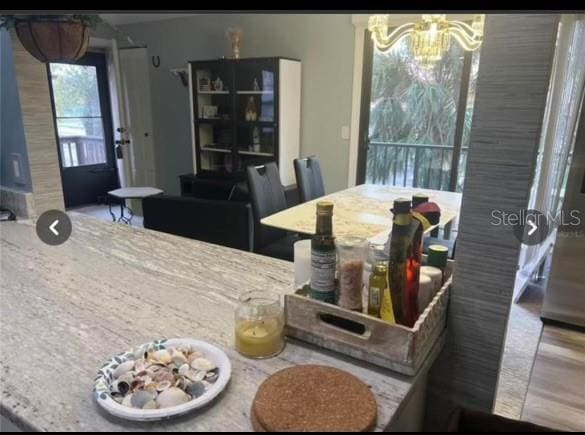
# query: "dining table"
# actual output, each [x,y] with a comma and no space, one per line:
[362,211]
[67,309]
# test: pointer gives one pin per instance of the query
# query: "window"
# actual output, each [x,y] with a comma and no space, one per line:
[78,114]
[418,117]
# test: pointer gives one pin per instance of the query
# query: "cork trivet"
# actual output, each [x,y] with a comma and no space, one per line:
[313,398]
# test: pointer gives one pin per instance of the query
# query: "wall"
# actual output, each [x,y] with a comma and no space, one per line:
[514,74]
[11,127]
[324,44]
[39,130]
[575,193]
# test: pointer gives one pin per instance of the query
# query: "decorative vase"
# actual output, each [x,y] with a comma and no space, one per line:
[235,37]
[54,40]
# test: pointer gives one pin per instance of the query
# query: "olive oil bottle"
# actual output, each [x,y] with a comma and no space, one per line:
[378,282]
[323,255]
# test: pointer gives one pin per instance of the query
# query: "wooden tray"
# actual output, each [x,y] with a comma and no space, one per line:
[367,338]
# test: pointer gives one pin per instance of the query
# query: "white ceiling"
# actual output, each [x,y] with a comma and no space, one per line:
[119,19]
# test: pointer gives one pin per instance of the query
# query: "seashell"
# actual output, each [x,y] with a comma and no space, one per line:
[137,384]
[195,375]
[171,397]
[193,356]
[211,376]
[120,387]
[151,388]
[196,389]
[140,365]
[164,385]
[122,369]
[150,404]
[140,398]
[185,349]
[163,356]
[178,358]
[127,377]
[163,376]
[184,369]
[203,364]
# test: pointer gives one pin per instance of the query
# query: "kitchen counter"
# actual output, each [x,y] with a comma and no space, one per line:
[65,310]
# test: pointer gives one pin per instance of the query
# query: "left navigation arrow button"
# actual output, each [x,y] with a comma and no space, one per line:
[54,227]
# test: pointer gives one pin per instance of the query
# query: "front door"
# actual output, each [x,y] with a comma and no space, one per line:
[81,106]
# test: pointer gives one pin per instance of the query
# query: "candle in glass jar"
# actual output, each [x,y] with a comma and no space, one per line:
[259,325]
[259,338]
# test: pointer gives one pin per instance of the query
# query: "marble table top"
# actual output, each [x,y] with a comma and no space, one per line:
[362,211]
[66,309]
[134,192]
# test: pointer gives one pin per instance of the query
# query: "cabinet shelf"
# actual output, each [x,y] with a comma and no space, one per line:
[213,121]
[255,153]
[213,92]
[255,92]
[216,150]
[257,123]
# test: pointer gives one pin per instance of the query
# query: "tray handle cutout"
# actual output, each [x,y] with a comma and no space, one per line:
[347,326]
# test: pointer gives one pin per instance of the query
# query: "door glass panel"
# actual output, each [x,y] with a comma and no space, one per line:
[413,114]
[79,119]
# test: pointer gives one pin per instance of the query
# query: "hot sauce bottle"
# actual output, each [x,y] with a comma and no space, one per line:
[404,263]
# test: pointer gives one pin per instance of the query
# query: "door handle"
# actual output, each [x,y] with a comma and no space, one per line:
[119,152]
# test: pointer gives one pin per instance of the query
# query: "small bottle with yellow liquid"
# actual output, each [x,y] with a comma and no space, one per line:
[376,288]
[379,296]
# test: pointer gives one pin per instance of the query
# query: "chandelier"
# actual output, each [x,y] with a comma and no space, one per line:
[430,38]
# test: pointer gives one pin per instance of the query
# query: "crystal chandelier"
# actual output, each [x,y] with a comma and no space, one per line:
[430,38]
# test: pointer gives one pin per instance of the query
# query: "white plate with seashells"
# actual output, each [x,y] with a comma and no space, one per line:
[162,379]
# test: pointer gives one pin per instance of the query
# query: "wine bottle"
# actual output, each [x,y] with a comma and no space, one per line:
[404,263]
[323,256]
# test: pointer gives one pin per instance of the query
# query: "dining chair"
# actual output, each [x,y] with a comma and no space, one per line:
[268,197]
[309,178]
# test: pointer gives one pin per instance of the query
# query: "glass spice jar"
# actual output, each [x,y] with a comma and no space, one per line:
[351,253]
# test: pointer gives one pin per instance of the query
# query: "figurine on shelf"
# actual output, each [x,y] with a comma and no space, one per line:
[234,34]
[255,85]
[218,85]
[251,112]
[256,140]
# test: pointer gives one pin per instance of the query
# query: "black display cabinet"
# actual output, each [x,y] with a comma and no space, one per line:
[245,112]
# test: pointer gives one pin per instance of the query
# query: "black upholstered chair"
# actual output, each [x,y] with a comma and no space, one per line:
[267,194]
[309,178]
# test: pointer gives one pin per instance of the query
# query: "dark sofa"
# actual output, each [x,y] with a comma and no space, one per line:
[211,210]
[223,222]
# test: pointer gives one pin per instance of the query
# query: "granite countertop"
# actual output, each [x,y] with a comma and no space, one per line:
[65,310]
